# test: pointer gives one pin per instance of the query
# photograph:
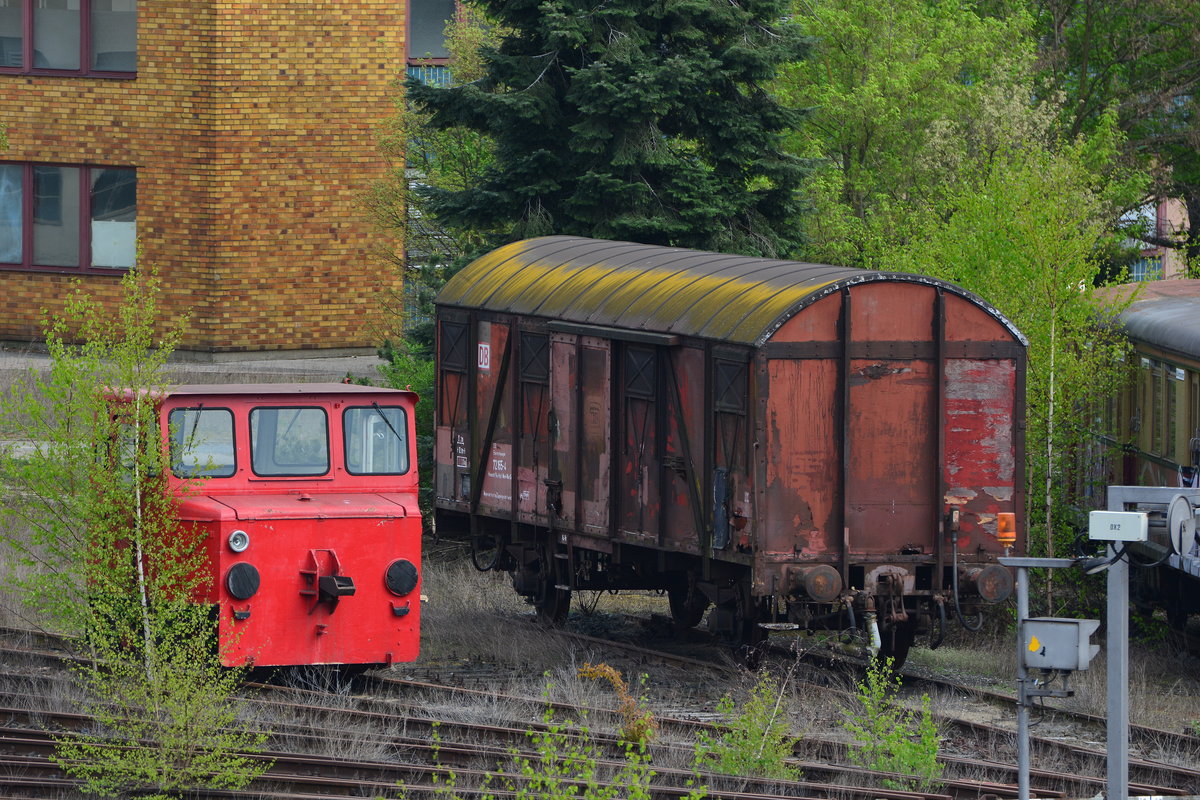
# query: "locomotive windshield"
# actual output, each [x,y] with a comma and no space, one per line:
[289,441]
[202,442]
[375,440]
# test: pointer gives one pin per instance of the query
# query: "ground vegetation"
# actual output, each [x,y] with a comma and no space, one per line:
[98,553]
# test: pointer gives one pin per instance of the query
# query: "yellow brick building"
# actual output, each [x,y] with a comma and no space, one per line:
[235,140]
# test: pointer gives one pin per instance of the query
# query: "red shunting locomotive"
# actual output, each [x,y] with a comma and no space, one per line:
[308,501]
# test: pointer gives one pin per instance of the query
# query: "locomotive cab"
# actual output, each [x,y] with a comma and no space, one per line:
[306,495]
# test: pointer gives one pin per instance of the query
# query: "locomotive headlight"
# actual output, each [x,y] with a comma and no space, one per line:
[238,541]
[401,577]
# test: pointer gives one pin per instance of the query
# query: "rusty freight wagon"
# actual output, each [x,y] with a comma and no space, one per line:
[787,443]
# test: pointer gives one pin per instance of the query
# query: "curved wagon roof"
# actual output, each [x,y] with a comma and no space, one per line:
[1164,314]
[656,289]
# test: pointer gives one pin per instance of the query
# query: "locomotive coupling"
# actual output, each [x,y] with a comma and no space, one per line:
[331,587]
[820,582]
[992,582]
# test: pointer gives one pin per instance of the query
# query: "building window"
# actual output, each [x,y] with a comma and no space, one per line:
[427,29]
[67,218]
[1146,269]
[83,37]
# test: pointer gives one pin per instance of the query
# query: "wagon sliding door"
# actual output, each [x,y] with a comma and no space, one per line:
[580,431]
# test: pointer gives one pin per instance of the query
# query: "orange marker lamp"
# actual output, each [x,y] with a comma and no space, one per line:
[1006,528]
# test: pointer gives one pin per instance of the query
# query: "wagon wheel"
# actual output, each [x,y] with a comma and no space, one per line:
[688,605]
[896,642]
[552,604]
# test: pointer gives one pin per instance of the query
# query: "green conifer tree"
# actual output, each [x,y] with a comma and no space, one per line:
[647,122]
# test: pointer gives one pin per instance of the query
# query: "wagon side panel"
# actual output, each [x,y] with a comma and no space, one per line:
[684,446]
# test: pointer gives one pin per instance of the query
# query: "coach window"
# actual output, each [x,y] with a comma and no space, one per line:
[376,440]
[202,442]
[287,442]
[60,217]
[80,37]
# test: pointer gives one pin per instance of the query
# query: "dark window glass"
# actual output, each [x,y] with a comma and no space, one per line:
[114,217]
[376,440]
[57,25]
[640,375]
[202,442]
[289,441]
[426,28]
[56,212]
[114,35]
[535,357]
[454,346]
[12,34]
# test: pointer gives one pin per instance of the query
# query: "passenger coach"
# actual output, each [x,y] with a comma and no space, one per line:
[786,442]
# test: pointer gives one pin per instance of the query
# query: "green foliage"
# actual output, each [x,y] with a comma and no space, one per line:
[566,764]
[757,742]
[891,738]
[405,370]
[627,121]
[100,552]
[1137,60]
[884,80]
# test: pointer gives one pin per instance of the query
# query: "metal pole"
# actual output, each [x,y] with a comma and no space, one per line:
[1022,677]
[1118,678]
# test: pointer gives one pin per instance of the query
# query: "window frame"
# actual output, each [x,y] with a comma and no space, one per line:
[419,60]
[84,222]
[403,430]
[173,445]
[85,48]
[275,476]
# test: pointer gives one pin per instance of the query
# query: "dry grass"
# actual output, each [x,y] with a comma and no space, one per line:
[1164,687]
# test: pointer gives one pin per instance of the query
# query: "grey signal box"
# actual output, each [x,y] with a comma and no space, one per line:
[1117,526]
[1058,643]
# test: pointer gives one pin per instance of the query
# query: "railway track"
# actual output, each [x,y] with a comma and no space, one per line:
[389,704]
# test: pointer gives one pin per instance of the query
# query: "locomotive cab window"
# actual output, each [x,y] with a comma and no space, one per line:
[375,440]
[202,442]
[288,442]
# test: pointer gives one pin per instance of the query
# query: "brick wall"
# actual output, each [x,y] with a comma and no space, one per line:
[252,128]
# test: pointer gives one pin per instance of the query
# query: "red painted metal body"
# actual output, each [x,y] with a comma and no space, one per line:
[320,540]
[778,439]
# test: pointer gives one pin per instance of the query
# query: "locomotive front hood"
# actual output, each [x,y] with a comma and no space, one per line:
[311,505]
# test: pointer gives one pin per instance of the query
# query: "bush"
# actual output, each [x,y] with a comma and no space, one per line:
[758,741]
[892,738]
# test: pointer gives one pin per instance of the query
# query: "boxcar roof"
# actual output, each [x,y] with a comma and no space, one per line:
[1165,314]
[660,289]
